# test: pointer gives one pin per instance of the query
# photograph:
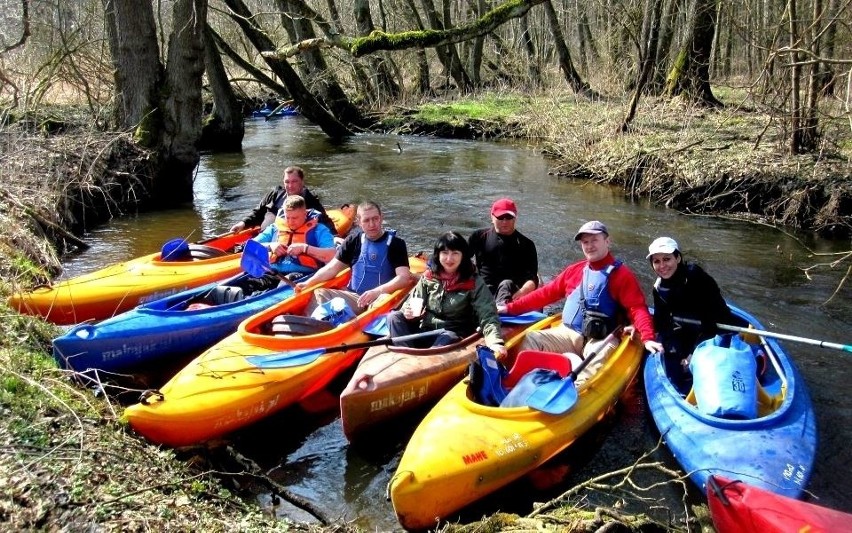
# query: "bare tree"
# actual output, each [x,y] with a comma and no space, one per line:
[690,74]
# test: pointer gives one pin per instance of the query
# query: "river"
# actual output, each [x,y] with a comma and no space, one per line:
[426,186]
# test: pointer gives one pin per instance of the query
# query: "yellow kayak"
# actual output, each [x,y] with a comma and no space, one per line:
[251,374]
[463,450]
[122,286]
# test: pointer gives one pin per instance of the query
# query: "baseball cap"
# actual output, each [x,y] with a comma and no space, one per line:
[504,206]
[662,245]
[593,227]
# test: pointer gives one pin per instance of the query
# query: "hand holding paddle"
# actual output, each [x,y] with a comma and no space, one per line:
[762,333]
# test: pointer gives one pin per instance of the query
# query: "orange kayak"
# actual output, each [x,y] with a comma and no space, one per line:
[251,374]
[122,286]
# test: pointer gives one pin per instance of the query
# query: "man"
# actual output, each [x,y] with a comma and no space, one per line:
[506,259]
[378,258]
[600,294]
[293,184]
[297,242]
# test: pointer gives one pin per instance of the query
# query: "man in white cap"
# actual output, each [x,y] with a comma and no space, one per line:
[506,259]
[600,293]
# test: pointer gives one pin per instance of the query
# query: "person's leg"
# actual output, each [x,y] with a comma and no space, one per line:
[252,285]
[446,338]
[559,339]
[398,326]
[505,290]
[324,295]
[601,351]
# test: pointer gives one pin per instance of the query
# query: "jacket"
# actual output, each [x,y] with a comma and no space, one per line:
[460,308]
[274,200]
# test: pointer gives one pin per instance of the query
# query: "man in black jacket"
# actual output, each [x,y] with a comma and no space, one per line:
[293,184]
[506,259]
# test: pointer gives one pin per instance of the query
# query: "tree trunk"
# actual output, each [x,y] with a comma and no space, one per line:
[315,66]
[577,84]
[385,86]
[795,74]
[308,104]
[223,128]
[447,54]
[810,120]
[649,54]
[664,46]
[533,71]
[182,106]
[690,75]
[136,62]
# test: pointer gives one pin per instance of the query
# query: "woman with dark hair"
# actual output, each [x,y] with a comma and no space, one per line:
[683,290]
[450,296]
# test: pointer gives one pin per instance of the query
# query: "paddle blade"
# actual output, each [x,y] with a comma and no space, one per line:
[286,359]
[555,397]
[378,327]
[530,317]
[255,259]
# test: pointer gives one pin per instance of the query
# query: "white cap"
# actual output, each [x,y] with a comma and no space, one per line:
[662,245]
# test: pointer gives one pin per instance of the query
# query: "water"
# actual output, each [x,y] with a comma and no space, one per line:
[427,186]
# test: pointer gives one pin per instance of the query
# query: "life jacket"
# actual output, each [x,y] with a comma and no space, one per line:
[287,236]
[591,294]
[372,268]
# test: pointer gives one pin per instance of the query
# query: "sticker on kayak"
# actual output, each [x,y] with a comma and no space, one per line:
[396,400]
[796,475]
[511,444]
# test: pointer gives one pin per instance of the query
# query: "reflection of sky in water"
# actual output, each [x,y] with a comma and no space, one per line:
[435,185]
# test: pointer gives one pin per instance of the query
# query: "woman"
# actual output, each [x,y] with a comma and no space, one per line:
[450,296]
[683,290]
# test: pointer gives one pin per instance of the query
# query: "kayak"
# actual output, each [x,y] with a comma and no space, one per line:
[185,323]
[122,286]
[393,380]
[254,372]
[266,112]
[742,508]
[774,450]
[463,450]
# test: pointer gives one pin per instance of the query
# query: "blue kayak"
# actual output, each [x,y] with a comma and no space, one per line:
[774,450]
[184,323]
[268,113]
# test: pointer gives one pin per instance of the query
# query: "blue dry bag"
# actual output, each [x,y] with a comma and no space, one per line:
[486,377]
[724,377]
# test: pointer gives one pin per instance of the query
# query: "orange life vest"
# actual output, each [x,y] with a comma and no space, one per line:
[287,236]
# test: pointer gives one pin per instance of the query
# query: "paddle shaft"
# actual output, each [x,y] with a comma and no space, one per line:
[582,366]
[762,333]
[384,340]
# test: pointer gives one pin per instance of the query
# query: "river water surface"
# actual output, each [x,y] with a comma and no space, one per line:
[427,186]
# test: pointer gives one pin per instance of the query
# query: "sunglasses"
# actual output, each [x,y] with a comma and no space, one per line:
[505,217]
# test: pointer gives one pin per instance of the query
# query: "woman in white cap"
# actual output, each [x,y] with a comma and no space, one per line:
[683,290]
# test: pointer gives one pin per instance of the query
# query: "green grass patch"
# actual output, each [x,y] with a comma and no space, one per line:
[489,107]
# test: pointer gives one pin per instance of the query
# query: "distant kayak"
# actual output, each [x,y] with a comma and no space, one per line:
[265,112]
[738,507]
[774,450]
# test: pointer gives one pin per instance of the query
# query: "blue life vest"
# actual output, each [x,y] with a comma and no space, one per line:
[372,268]
[592,295]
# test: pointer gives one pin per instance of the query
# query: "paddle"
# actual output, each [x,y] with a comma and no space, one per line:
[255,261]
[762,333]
[557,397]
[304,357]
[379,326]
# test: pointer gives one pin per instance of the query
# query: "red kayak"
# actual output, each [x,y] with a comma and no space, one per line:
[738,507]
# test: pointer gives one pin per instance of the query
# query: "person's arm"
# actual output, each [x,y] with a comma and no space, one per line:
[333,268]
[557,289]
[312,202]
[486,314]
[627,292]
[320,245]
[255,218]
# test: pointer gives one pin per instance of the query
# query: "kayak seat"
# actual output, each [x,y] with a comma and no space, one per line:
[290,325]
[529,360]
[225,294]
[201,251]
